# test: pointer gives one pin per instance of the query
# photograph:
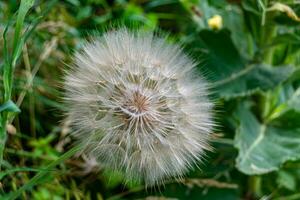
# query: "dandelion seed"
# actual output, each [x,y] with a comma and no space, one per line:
[138,106]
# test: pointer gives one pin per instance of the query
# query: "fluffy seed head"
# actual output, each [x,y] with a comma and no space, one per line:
[138,105]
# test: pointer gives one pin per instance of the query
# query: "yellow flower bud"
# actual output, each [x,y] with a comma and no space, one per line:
[215,22]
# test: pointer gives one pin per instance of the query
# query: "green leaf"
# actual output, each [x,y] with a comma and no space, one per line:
[219,61]
[295,100]
[24,8]
[252,78]
[263,148]
[228,71]
[9,106]
[251,6]
[234,20]
[18,42]
[287,180]
[287,38]
[288,119]
[287,113]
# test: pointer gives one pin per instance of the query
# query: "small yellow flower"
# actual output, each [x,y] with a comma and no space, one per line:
[215,22]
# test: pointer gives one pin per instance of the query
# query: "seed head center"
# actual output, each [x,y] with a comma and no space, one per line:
[138,103]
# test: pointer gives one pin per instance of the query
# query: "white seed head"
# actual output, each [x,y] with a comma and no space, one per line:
[138,105]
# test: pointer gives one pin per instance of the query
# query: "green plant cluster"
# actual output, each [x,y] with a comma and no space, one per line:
[249,50]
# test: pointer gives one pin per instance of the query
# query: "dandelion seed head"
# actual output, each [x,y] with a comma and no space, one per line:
[138,105]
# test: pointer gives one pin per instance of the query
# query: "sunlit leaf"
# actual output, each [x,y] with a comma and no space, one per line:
[263,148]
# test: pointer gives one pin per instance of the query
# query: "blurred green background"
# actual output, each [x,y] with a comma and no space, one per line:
[248,49]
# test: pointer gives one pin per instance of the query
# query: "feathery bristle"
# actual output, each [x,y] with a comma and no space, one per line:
[138,105]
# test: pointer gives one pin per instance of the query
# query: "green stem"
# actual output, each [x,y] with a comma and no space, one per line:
[255,185]
[9,65]
[2,142]
[269,34]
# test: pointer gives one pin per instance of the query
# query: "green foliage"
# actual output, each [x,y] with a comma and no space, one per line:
[252,59]
[8,69]
[9,106]
[263,148]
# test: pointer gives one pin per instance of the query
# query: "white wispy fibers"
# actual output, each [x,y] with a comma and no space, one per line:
[138,105]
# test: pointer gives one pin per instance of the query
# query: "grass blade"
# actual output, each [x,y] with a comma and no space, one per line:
[9,65]
[39,176]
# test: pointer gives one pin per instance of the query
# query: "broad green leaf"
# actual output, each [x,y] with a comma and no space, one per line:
[251,79]
[228,70]
[9,106]
[263,148]
[220,62]
[234,20]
